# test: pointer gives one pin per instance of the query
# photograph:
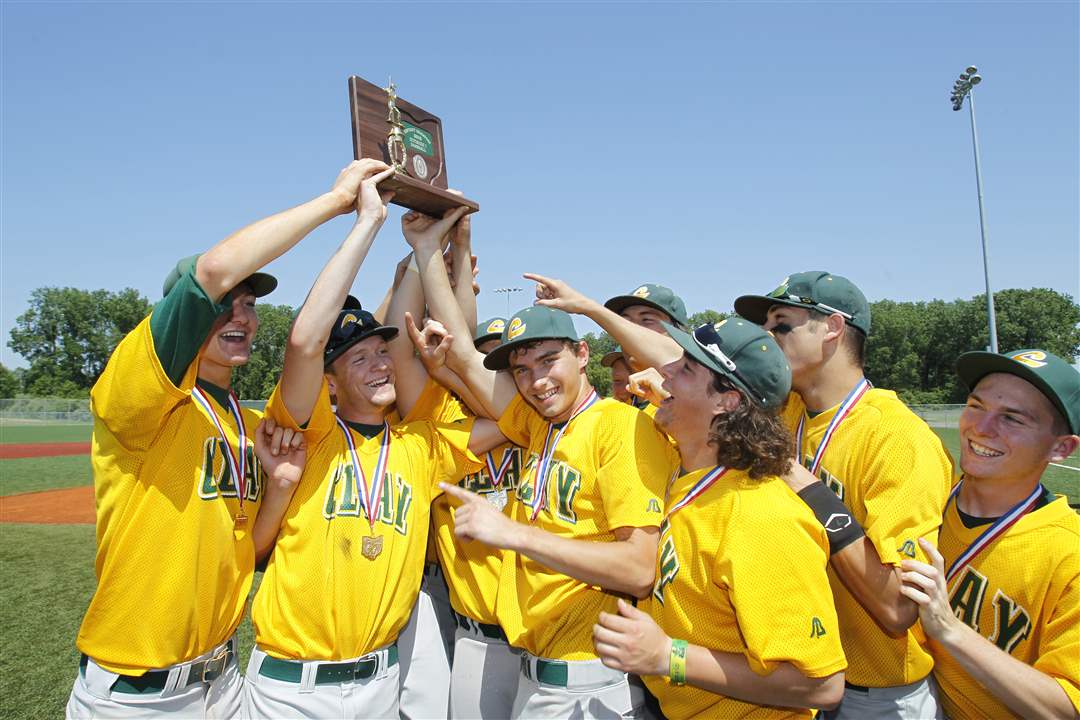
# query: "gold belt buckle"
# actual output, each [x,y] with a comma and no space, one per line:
[213,667]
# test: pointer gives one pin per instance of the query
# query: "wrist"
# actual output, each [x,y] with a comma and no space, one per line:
[341,201]
[677,661]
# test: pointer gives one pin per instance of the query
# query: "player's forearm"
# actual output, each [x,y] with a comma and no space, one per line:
[463,286]
[648,348]
[409,373]
[271,512]
[623,566]
[1025,690]
[876,586]
[730,674]
[245,251]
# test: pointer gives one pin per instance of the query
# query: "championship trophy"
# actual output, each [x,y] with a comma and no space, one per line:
[393,130]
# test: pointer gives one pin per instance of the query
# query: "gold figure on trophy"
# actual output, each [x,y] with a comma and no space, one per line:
[395,139]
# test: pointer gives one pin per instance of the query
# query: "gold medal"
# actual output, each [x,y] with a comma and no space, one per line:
[371,546]
[497,498]
[241,519]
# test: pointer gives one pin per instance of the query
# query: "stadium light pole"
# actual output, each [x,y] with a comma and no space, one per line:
[963,88]
[509,291]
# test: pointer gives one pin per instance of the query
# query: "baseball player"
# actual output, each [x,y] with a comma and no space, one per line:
[740,622]
[178,486]
[1000,598]
[888,469]
[620,376]
[589,503]
[346,569]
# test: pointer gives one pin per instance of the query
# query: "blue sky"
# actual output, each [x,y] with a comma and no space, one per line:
[712,147]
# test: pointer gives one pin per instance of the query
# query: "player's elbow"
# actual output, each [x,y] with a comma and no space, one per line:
[898,616]
[827,693]
[639,579]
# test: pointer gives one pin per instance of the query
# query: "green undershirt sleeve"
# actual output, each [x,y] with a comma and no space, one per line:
[180,322]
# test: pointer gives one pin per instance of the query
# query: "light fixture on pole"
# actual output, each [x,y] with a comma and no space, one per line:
[509,291]
[961,89]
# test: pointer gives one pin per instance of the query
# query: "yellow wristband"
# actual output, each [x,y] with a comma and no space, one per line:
[677,662]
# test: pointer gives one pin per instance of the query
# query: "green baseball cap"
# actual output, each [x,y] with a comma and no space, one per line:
[1053,377]
[533,323]
[813,290]
[352,325]
[655,296]
[744,354]
[260,283]
[490,329]
[609,358]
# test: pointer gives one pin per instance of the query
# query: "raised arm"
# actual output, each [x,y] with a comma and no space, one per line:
[648,348]
[493,390]
[303,371]
[461,261]
[223,266]
[409,373]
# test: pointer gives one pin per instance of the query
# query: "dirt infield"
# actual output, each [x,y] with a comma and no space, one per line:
[26,450]
[53,507]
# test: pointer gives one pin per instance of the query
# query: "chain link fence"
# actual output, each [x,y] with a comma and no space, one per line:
[61,411]
[938,415]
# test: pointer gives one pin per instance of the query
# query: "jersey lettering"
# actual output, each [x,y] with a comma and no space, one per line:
[1011,622]
[481,482]
[567,482]
[343,498]
[564,481]
[527,479]
[215,477]
[669,564]
[967,598]
[832,482]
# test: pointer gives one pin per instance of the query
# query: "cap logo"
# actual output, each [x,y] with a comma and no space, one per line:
[1031,358]
[782,289]
[641,292]
[348,319]
[496,326]
[517,327]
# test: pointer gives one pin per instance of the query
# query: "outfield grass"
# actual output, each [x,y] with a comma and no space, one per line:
[22,475]
[46,582]
[1059,480]
[44,433]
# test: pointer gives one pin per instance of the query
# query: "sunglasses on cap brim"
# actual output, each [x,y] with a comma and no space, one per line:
[815,305]
[708,340]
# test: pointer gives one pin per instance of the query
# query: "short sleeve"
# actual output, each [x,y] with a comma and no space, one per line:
[452,458]
[517,422]
[318,426]
[1059,650]
[436,403]
[181,321]
[634,471]
[775,570]
[908,474]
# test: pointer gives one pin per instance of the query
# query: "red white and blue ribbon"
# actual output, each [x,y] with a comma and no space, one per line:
[497,474]
[842,412]
[704,483]
[540,492]
[369,497]
[237,465]
[997,528]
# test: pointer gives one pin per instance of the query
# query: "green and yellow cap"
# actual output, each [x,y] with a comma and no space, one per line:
[533,323]
[490,329]
[744,354]
[655,296]
[1053,377]
[813,290]
[260,283]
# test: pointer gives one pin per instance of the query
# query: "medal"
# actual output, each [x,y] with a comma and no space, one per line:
[543,467]
[371,546]
[998,528]
[841,413]
[497,498]
[237,465]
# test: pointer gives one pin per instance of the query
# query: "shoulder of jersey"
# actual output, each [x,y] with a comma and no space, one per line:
[885,406]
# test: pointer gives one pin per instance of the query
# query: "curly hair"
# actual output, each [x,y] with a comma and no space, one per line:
[750,437]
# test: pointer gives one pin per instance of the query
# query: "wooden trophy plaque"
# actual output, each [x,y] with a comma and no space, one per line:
[393,130]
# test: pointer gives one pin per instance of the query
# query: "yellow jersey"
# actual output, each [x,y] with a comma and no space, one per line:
[741,569]
[1021,593]
[893,474]
[471,568]
[336,588]
[173,566]
[609,470]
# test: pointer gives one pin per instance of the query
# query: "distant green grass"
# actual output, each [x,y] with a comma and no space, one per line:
[46,582]
[1059,480]
[21,475]
[44,433]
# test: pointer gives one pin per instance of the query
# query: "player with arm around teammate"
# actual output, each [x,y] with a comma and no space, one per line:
[885,466]
[1000,597]
[178,485]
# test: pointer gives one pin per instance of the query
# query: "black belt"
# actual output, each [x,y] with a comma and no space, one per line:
[154,681]
[856,688]
[491,632]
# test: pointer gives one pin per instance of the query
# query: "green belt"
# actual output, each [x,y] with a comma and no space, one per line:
[491,632]
[549,672]
[293,670]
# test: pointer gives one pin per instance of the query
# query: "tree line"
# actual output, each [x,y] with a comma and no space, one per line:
[67,334]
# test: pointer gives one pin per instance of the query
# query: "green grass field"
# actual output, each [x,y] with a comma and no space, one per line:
[35,433]
[21,475]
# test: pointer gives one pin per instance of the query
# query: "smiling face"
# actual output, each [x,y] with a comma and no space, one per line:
[550,375]
[1009,431]
[229,343]
[362,379]
[647,317]
[692,400]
